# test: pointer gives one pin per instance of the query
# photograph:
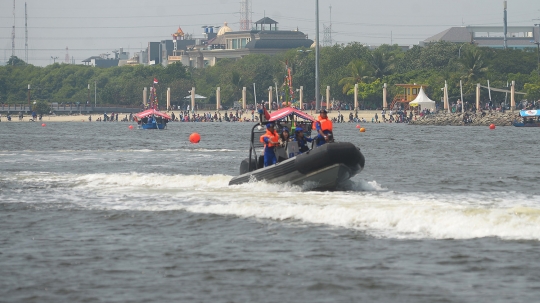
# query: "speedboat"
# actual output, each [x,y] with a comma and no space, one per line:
[321,168]
[530,118]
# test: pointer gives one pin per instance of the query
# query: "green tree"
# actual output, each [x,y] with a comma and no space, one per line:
[360,72]
[532,90]
[14,60]
[382,63]
[473,65]
[41,107]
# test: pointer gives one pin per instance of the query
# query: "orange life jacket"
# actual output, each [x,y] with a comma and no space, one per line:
[326,124]
[272,137]
[314,124]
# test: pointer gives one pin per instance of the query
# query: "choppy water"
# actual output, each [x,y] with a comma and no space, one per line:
[95,212]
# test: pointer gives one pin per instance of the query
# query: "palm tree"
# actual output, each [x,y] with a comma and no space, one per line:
[472,63]
[237,85]
[359,72]
[382,63]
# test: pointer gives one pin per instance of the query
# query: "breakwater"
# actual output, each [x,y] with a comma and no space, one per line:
[473,119]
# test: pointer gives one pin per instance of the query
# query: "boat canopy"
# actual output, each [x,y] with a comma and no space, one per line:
[150,112]
[287,111]
[529,113]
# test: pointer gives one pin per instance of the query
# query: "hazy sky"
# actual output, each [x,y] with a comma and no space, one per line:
[90,28]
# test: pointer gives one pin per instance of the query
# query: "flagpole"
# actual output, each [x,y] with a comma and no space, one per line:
[317,88]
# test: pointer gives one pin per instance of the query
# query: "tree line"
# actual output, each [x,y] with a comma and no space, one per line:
[341,67]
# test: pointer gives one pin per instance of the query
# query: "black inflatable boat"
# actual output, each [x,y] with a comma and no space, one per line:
[321,168]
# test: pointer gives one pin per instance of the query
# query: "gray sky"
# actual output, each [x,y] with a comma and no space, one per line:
[90,28]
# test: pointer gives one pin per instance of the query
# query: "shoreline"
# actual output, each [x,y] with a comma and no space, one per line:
[366,114]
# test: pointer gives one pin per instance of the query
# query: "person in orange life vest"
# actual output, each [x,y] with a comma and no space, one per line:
[270,140]
[323,126]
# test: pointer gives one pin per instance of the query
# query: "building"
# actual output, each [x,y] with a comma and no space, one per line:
[266,39]
[103,60]
[518,37]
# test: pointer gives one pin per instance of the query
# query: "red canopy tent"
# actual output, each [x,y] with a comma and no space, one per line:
[150,112]
[285,112]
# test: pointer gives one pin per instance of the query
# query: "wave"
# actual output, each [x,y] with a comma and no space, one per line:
[366,206]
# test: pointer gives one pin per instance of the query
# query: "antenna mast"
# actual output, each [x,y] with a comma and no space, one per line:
[13,36]
[67,56]
[25,34]
[245,12]
[505,26]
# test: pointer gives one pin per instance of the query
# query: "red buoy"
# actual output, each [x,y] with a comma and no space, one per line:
[131,127]
[194,138]
[357,125]
[492,126]
[43,124]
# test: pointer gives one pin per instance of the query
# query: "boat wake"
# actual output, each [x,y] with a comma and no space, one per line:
[366,205]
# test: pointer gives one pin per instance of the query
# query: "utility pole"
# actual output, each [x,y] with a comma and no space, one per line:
[537,42]
[54,59]
[505,27]
[25,35]
[28,97]
[317,88]
[95,93]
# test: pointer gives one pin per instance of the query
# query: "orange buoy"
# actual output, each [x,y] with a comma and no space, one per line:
[362,130]
[492,126]
[194,138]
[131,127]
[43,124]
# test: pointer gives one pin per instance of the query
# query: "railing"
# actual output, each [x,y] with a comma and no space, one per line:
[73,108]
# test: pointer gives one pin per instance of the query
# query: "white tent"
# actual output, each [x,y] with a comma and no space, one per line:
[423,101]
[197,96]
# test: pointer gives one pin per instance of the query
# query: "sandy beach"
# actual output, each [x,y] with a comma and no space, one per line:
[366,114]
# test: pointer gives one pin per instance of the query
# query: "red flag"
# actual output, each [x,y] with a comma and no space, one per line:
[266,113]
[155,81]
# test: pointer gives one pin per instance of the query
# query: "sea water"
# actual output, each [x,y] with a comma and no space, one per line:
[96,212]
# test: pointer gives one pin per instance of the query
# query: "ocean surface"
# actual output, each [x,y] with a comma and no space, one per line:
[96,212]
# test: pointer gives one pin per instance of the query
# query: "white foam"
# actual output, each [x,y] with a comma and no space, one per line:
[368,207]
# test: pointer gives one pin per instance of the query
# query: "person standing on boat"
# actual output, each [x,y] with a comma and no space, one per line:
[270,140]
[323,126]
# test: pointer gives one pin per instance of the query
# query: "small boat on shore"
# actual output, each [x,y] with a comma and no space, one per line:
[320,168]
[530,118]
[152,118]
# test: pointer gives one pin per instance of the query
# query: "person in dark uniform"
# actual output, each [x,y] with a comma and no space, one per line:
[301,139]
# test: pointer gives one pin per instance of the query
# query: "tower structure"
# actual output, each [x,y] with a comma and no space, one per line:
[327,40]
[179,35]
[13,36]
[25,34]
[245,15]
[66,60]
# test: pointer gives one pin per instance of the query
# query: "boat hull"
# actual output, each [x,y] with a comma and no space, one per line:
[521,124]
[153,126]
[323,168]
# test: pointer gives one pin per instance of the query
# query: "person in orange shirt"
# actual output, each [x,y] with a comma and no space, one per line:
[270,140]
[323,126]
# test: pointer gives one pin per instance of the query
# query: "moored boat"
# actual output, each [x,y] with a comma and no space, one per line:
[530,118]
[320,168]
[152,118]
